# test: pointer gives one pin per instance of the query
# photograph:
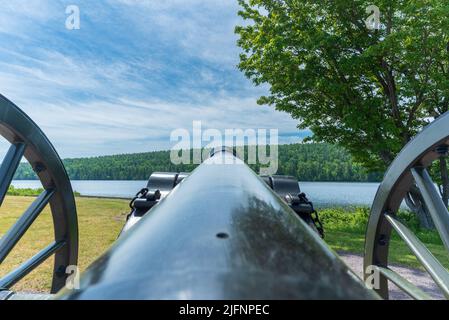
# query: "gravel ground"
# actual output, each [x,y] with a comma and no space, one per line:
[419,278]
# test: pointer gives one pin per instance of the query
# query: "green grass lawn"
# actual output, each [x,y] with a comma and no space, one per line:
[100,221]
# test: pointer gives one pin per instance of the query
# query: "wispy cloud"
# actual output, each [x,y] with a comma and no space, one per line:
[134,71]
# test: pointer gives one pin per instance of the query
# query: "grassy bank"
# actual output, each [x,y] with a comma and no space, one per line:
[345,231]
[28,192]
[100,221]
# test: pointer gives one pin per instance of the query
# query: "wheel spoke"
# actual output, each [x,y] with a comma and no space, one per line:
[14,276]
[15,233]
[403,284]
[28,141]
[9,167]
[439,274]
[433,202]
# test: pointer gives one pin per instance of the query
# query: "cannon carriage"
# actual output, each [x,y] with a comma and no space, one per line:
[221,231]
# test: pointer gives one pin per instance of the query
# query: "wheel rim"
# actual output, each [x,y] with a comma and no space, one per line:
[407,170]
[28,141]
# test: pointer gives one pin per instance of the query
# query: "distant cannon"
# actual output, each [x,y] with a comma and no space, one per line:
[220,232]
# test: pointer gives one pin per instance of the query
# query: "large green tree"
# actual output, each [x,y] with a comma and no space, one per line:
[367,89]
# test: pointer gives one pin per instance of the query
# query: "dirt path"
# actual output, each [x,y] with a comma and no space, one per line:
[419,278]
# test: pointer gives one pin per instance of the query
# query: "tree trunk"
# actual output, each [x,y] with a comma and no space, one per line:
[415,202]
[444,188]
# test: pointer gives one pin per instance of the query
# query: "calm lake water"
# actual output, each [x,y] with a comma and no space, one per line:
[323,194]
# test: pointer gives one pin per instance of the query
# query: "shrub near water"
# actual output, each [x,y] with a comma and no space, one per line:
[344,219]
[28,192]
[355,220]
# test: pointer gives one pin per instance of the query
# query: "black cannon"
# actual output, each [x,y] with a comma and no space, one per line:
[219,232]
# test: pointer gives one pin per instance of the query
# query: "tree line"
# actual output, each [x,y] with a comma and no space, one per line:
[307,162]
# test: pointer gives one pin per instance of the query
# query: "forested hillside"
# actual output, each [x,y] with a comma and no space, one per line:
[308,162]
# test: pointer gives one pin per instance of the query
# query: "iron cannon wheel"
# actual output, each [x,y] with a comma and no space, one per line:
[28,141]
[409,170]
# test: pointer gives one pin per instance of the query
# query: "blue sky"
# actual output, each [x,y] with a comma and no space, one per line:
[135,71]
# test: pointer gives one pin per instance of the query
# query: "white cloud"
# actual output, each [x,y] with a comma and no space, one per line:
[126,125]
[19,17]
[137,71]
[204,28]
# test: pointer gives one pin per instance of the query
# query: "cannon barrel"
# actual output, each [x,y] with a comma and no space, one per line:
[222,233]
